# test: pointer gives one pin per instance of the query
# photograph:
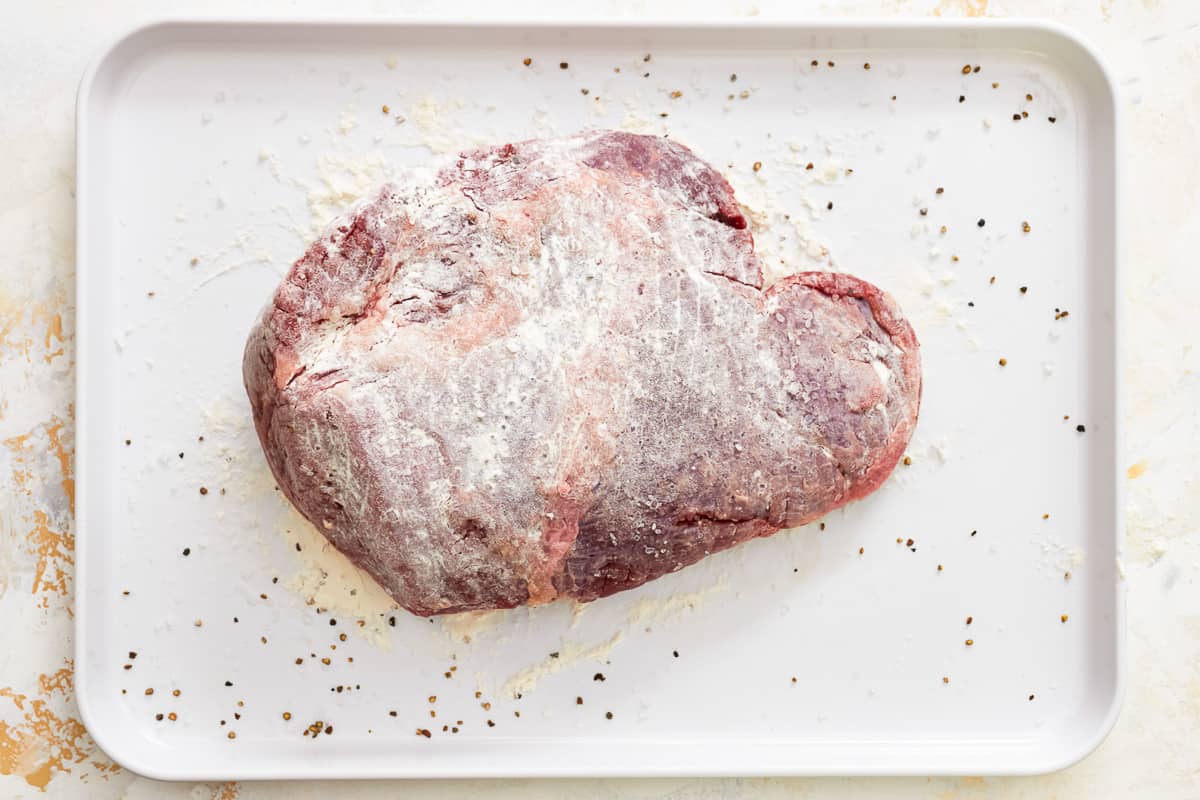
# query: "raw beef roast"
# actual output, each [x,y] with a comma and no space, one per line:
[552,370]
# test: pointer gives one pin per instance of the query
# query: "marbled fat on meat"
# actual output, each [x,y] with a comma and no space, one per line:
[551,369]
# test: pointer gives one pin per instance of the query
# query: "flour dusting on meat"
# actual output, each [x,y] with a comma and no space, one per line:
[551,369]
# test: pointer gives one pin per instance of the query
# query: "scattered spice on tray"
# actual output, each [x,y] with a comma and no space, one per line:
[1081,428]
[175,693]
[1031,697]
[599,676]
[1060,314]
[578,701]
[203,490]
[757,166]
[939,569]
[231,735]
[977,68]
[1029,98]
[966,70]
[970,642]
[384,108]
[563,65]
[1004,362]
[733,78]
[860,551]
[962,98]
[981,222]
[675,95]
[816,63]
[149,691]
[991,280]
[908,461]
[945,679]
[608,715]
[527,61]
[924,211]
[830,63]
[424,732]
[1016,117]
[1063,618]
[867,65]
[1052,120]
[1026,227]
[583,92]
[675,653]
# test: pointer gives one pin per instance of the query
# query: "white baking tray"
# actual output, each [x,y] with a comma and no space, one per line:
[209,150]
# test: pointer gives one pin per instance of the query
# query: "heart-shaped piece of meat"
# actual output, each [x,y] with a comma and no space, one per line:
[551,369]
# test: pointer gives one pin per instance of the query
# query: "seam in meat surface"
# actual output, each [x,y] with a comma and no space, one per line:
[552,370]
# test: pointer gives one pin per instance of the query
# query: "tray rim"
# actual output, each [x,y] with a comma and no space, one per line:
[1069,754]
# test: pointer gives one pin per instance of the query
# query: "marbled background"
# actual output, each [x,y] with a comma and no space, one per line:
[1153,47]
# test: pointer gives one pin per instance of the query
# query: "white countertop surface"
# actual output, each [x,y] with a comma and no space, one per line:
[1153,48]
